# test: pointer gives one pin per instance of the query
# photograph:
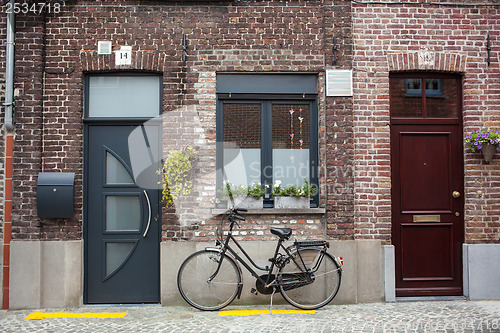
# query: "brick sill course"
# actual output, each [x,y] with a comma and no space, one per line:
[274,211]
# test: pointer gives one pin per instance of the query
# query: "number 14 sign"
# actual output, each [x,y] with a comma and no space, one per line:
[123,56]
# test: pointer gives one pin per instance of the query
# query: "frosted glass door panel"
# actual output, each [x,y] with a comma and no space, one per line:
[112,96]
[123,213]
[116,253]
[116,172]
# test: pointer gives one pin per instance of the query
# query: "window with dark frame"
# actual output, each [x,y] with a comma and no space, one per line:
[267,138]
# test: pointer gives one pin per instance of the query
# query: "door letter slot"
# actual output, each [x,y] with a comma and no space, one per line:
[426,218]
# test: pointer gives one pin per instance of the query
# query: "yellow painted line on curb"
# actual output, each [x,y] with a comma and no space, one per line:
[261,312]
[54,315]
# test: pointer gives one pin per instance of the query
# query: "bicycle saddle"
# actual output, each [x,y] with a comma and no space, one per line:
[283,233]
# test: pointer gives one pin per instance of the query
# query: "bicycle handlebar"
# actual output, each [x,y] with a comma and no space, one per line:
[235,213]
[239,217]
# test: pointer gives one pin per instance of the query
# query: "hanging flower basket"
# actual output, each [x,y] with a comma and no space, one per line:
[485,141]
[488,151]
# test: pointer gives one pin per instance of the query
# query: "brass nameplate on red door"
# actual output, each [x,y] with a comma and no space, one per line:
[426,218]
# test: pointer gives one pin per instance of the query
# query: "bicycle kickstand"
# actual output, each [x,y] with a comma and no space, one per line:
[271,305]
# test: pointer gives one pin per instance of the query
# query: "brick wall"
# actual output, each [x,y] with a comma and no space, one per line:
[2,177]
[2,115]
[338,149]
[391,38]
[267,36]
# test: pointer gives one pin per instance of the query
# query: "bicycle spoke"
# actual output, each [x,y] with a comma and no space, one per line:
[194,282]
[310,290]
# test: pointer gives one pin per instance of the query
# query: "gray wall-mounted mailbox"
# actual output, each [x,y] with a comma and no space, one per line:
[54,194]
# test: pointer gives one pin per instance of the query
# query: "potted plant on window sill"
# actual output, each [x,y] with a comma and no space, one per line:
[292,196]
[243,196]
[485,141]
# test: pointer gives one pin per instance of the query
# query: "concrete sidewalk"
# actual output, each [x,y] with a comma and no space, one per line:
[428,316]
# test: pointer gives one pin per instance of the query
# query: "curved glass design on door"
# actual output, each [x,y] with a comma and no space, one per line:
[116,173]
[116,255]
[121,216]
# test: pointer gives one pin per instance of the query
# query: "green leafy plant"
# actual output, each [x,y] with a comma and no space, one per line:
[305,190]
[177,172]
[480,138]
[256,190]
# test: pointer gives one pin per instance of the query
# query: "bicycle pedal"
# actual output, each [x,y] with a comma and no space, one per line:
[254,291]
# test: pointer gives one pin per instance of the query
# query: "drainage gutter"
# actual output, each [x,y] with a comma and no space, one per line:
[9,70]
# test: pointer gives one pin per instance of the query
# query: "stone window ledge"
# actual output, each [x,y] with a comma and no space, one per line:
[275,211]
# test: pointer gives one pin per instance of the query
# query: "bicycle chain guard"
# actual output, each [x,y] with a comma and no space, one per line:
[261,287]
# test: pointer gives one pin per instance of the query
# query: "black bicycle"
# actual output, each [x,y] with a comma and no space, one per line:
[307,276]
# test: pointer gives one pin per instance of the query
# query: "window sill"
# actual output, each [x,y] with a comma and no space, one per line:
[274,211]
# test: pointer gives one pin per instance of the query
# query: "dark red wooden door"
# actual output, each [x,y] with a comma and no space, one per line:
[427,184]
[427,210]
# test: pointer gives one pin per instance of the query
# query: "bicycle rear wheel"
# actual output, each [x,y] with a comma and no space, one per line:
[304,292]
[195,286]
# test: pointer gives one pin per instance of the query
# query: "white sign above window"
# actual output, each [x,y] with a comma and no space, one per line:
[123,57]
[339,82]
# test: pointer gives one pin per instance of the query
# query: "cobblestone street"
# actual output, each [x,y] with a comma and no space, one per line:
[429,316]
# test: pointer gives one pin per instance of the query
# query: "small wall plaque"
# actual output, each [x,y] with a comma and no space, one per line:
[339,83]
[104,47]
[123,57]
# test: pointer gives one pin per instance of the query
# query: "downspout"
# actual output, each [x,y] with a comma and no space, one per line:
[9,70]
[9,155]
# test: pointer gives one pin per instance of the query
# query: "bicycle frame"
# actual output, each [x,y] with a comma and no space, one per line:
[268,283]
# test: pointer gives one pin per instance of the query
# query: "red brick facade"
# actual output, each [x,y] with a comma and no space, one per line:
[274,36]
[2,146]
[424,37]
[266,37]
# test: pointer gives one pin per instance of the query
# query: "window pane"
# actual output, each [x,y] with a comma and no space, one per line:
[406,98]
[290,143]
[123,213]
[124,96]
[441,98]
[116,253]
[116,172]
[414,86]
[242,143]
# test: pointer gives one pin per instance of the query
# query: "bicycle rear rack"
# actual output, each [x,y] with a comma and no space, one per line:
[312,244]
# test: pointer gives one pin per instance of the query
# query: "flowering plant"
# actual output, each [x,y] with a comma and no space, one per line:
[478,139]
[177,174]
[306,190]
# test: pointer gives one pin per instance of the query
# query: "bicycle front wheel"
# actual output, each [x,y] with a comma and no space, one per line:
[198,285]
[313,291]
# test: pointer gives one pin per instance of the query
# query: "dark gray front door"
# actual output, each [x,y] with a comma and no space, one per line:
[122,221]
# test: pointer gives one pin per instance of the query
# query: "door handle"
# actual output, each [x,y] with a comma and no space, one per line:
[149,214]
[456,194]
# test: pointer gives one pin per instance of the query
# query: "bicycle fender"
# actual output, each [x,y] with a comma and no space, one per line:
[216,249]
